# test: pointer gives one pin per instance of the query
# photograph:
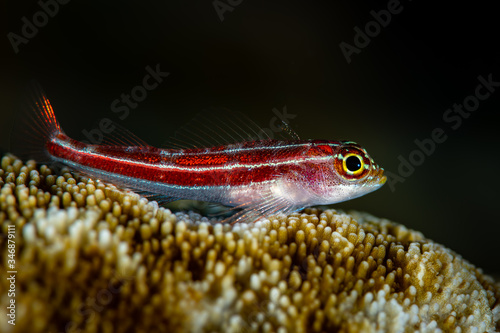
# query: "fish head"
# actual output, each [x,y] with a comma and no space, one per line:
[354,173]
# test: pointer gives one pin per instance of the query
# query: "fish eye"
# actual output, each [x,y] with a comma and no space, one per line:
[353,164]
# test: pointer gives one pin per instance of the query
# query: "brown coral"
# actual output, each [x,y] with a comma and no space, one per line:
[91,258]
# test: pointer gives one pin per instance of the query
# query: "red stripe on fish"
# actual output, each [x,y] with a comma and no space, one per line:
[195,167]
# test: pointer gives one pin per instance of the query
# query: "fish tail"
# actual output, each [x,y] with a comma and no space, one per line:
[35,126]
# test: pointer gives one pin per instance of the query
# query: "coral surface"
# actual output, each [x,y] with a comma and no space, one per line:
[91,258]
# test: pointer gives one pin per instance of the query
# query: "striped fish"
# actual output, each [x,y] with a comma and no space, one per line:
[255,177]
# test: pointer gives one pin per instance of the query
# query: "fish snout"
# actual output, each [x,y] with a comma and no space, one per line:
[377,176]
[381,176]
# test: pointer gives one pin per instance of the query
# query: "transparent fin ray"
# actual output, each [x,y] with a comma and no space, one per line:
[254,210]
[121,136]
[217,127]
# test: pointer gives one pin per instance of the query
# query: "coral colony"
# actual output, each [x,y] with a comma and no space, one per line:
[92,258]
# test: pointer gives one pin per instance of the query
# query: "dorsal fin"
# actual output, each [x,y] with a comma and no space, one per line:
[288,130]
[120,136]
[123,137]
[217,127]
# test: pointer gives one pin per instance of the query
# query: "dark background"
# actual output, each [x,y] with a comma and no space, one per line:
[268,54]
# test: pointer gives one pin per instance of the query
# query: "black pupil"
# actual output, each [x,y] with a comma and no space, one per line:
[353,163]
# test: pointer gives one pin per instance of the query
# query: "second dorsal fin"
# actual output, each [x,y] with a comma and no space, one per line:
[217,127]
[120,136]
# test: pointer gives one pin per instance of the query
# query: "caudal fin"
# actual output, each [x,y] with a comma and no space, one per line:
[34,127]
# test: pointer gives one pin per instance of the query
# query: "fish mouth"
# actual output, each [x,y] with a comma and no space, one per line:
[382,177]
[378,177]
